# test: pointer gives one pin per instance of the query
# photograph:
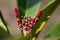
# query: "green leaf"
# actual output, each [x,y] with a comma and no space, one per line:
[2,25]
[54,33]
[4,33]
[47,12]
[2,22]
[28,7]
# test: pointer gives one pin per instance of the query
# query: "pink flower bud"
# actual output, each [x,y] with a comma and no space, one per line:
[30,25]
[32,21]
[16,12]
[18,22]
[39,13]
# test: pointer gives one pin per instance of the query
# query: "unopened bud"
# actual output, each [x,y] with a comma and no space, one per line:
[39,13]
[16,12]
[32,21]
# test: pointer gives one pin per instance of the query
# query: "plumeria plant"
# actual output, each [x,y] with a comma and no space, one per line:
[27,23]
[31,19]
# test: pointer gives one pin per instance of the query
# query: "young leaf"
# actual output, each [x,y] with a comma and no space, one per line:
[28,7]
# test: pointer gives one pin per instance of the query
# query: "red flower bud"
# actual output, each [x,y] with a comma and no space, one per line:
[16,12]
[18,22]
[32,21]
[39,13]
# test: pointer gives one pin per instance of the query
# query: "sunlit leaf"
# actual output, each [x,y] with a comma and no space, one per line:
[28,7]
[2,22]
